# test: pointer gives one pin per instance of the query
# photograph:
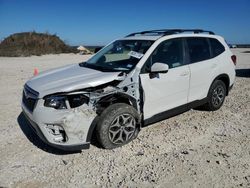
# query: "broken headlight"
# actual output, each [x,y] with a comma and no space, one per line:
[57,102]
[77,100]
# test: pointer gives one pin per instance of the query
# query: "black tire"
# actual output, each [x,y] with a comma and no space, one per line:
[115,126]
[216,96]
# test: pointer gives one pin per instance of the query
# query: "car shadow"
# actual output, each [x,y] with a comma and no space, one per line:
[243,73]
[25,126]
[94,141]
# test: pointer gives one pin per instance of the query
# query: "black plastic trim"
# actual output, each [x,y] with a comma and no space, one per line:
[220,77]
[230,88]
[91,129]
[173,112]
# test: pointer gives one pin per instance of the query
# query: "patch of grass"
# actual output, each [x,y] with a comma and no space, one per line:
[33,43]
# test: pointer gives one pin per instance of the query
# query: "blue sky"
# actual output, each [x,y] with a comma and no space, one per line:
[98,22]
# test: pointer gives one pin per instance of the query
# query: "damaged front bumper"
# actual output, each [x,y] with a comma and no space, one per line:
[67,129]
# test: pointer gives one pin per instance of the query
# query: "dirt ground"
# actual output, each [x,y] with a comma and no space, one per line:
[194,149]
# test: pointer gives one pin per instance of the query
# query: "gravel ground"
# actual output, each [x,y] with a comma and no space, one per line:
[194,149]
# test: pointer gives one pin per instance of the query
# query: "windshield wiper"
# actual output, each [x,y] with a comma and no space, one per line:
[81,64]
[96,67]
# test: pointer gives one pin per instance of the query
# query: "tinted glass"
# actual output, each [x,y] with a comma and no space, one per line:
[169,52]
[217,47]
[198,49]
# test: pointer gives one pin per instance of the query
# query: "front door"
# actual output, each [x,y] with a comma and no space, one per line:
[165,91]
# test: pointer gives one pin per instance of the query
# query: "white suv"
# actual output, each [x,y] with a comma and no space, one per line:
[135,81]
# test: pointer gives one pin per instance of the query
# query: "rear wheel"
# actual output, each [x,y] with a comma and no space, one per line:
[117,125]
[216,96]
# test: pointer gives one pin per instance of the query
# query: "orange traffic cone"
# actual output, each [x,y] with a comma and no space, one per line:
[35,72]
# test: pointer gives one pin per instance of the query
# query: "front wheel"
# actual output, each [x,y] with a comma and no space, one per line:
[117,125]
[216,95]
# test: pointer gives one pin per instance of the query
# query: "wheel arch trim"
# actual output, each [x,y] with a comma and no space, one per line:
[223,77]
[116,98]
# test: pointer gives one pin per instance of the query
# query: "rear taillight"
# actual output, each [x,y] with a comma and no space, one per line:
[234,59]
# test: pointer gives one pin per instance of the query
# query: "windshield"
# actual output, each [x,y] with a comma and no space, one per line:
[121,55]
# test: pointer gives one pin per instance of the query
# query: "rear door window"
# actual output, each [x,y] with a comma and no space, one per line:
[217,47]
[198,49]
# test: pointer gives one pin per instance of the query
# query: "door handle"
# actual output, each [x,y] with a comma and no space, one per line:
[184,73]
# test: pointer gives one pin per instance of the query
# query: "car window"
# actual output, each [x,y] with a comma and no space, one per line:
[169,52]
[121,55]
[217,47]
[198,49]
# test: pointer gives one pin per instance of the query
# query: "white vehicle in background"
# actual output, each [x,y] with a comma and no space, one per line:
[132,82]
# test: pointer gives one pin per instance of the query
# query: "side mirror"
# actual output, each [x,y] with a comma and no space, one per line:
[159,68]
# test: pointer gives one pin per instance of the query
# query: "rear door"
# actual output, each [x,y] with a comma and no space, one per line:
[202,67]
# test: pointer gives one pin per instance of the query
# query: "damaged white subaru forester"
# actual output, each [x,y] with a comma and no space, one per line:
[132,82]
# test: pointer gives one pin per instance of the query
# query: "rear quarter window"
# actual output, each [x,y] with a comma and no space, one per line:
[217,47]
[198,48]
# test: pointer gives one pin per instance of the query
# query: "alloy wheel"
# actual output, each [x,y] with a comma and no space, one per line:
[218,95]
[122,129]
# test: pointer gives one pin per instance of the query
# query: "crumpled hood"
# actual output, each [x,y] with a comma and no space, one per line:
[69,78]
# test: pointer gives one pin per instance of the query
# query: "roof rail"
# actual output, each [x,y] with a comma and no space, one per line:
[164,32]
